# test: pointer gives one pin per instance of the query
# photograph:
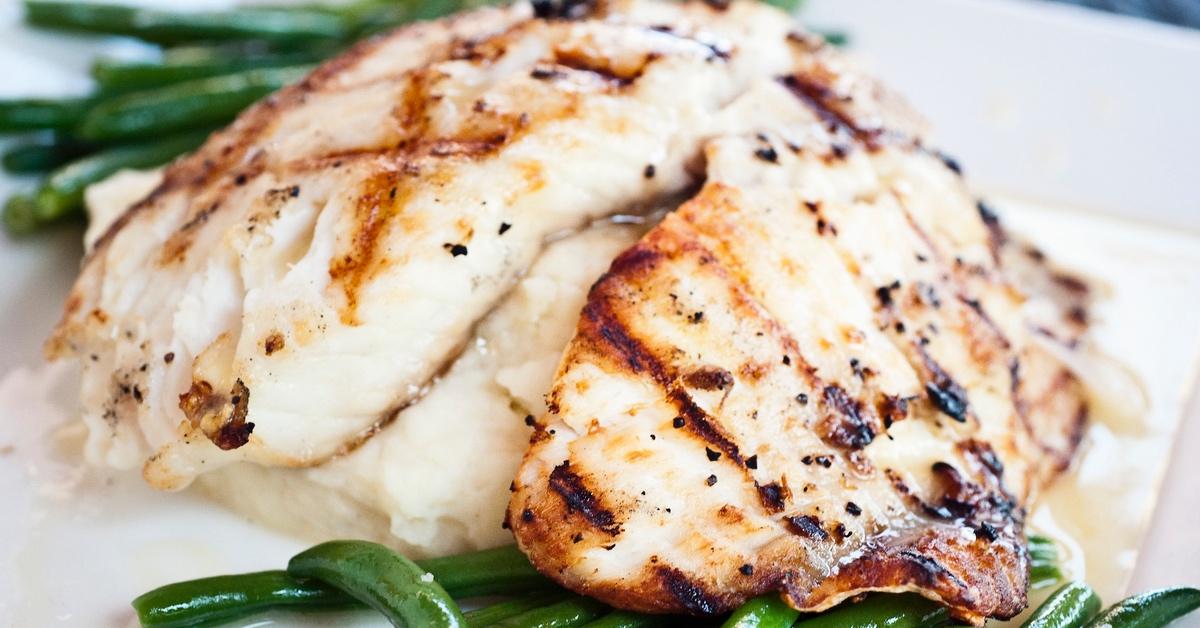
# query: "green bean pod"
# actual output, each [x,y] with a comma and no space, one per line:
[20,215]
[1068,607]
[768,611]
[568,613]
[388,582]
[225,598]
[1043,549]
[629,619]
[187,105]
[500,571]
[489,615]
[1043,574]
[906,610]
[1149,610]
[280,24]
[30,114]
[41,155]
[119,76]
[62,192]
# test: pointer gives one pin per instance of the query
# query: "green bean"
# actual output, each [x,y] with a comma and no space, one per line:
[282,24]
[20,215]
[489,615]
[768,611]
[28,114]
[225,598]
[1042,548]
[382,579]
[627,619]
[1149,610]
[575,611]
[835,38]
[62,192]
[1041,539]
[791,6]
[1043,574]
[898,611]
[41,155]
[1068,607]
[499,571]
[113,76]
[187,105]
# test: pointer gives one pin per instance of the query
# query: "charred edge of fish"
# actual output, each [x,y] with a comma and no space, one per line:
[580,500]
[709,378]
[773,496]
[235,431]
[847,423]
[927,571]
[807,526]
[198,401]
[689,594]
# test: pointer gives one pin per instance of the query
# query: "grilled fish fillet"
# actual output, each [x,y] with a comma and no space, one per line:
[435,480]
[301,279]
[814,377]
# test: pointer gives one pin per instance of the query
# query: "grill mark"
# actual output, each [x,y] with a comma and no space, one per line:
[607,325]
[977,308]
[606,322]
[602,67]
[941,389]
[691,595]
[372,213]
[821,99]
[698,423]
[570,486]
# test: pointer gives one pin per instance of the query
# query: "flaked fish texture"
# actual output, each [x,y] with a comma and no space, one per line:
[301,278]
[814,377]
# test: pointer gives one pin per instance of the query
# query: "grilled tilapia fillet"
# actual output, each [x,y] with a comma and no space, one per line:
[813,377]
[299,280]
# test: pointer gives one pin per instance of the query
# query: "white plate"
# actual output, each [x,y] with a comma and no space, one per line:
[1058,104]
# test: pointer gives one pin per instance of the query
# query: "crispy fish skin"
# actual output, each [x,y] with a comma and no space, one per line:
[814,377]
[293,285]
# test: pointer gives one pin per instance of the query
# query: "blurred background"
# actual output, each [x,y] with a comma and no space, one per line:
[1181,12]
